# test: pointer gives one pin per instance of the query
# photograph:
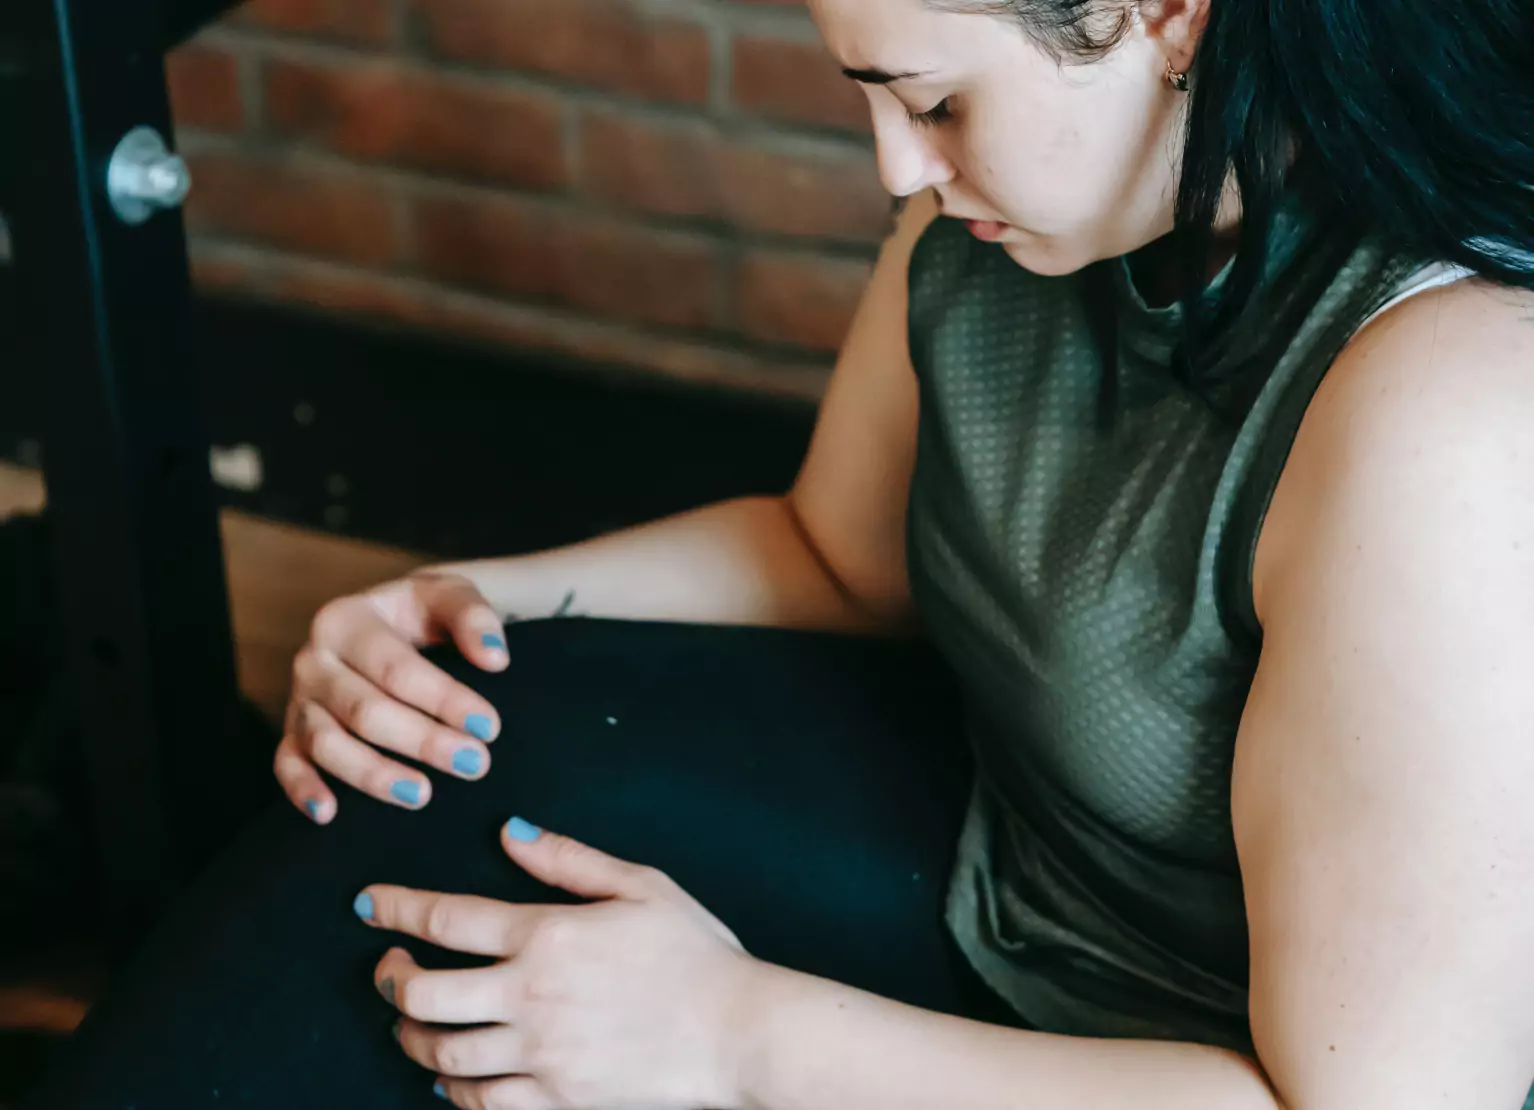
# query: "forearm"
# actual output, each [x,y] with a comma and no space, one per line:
[816,1045]
[742,562]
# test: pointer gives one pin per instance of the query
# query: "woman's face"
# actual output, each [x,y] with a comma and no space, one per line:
[1063,165]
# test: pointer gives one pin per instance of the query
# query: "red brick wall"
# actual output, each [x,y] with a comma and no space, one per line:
[680,186]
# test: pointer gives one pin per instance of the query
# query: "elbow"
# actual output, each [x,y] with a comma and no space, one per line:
[884,607]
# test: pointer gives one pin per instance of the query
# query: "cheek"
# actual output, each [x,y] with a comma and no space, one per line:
[1042,172]
[1042,161]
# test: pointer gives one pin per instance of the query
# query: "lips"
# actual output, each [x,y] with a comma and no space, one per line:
[987,231]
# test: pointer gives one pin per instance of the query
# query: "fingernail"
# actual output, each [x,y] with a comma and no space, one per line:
[386,988]
[312,808]
[478,726]
[466,761]
[519,829]
[407,792]
[438,1089]
[396,1031]
[363,905]
[492,641]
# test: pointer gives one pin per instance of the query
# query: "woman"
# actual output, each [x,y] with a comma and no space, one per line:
[1185,412]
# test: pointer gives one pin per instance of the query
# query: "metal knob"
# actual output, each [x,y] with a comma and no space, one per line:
[144,177]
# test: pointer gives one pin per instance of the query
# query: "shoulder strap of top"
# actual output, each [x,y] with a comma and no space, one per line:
[1282,423]
[1435,275]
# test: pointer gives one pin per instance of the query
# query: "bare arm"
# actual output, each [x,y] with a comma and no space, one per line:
[828,555]
[1381,795]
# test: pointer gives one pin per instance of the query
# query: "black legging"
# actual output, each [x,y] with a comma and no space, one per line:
[806,789]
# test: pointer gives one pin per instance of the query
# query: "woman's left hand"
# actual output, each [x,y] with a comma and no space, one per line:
[633,1000]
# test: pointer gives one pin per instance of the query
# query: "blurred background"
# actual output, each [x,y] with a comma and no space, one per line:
[468,278]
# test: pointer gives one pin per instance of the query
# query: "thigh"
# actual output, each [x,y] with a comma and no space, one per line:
[806,789]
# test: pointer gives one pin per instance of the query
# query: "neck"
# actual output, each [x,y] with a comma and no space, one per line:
[1158,276]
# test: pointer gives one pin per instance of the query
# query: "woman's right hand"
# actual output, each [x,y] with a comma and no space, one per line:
[361,689]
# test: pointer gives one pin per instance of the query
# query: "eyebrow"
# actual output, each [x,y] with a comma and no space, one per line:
[877,76]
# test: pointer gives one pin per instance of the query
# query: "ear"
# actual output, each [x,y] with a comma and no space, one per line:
[1176,26]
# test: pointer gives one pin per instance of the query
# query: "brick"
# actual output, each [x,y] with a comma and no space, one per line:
[690,170]
[350,293]
[427,308]
[804,299]
[381,111]
[511,247]
[315,212]
[368,22]
[204,84]
[607,44]
[789,80]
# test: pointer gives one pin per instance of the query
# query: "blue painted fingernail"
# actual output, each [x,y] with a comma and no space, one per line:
[521,830]
[478,726]
[439,1090]
[312,808]
[407,792]
[386,988]
[466,761]
[492,641]
[397,1031]
[363,905]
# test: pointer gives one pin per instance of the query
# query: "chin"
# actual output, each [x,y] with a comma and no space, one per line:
[1046,257]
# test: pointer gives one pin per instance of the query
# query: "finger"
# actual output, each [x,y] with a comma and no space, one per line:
[320,736]
[375,650]
[517,1092]
[303,785]
[473,996]
[368,713]
[465,1053]
[474,626]
[461,922]
[574,866]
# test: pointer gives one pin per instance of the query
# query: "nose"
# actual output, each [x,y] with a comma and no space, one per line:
[911,158]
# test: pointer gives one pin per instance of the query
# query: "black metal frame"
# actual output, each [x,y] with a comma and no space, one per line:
[139,562]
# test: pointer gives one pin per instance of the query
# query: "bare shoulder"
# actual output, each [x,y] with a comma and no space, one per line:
[1431,400]
[1438,356]
[1382,768]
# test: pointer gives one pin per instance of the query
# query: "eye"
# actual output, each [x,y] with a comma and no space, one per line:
[941,113]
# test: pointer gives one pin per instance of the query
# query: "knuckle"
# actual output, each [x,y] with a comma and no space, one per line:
[329,619]
[557,934]
[654,879]
[537,1054]
[441,920]
[450,1056]
[500,1097]
[325,746]
[568,1087]
[394,671]
[410,996]
[288,765]
[568,853]
[358,711]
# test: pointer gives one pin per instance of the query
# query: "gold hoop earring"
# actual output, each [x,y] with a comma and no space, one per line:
[1178,81]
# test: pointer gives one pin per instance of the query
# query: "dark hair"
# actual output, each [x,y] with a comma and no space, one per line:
[1408,119]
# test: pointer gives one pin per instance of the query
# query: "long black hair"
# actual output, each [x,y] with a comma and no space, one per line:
[1411,120]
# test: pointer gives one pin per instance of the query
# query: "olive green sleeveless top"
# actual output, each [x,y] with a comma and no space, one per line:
[1080,540]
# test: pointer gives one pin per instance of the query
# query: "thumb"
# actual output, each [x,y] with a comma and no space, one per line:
[456,606]
[571,865]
